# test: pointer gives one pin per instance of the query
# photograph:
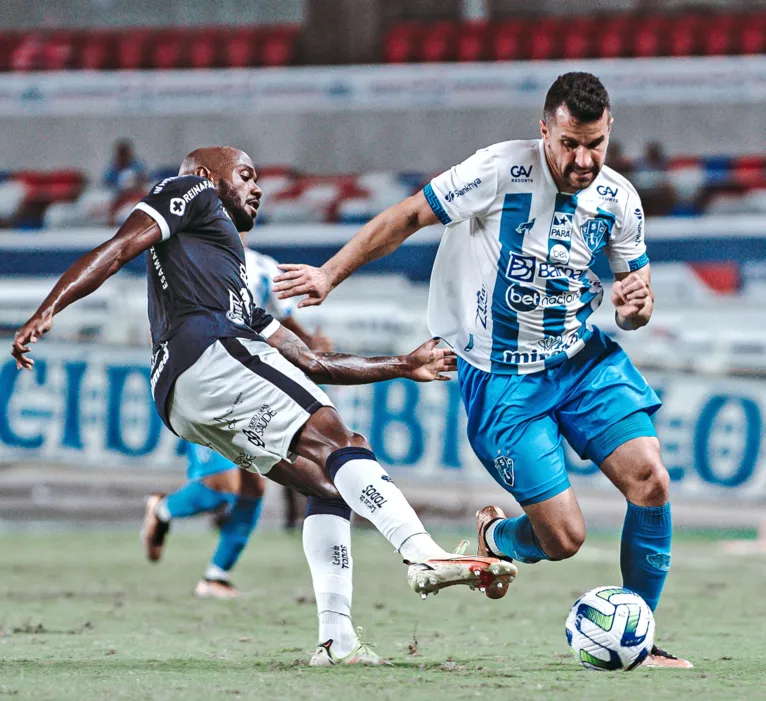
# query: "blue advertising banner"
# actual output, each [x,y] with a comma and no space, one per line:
[91,406]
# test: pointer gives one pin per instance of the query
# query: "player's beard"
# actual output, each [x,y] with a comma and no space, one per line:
[569,171]
[237,211]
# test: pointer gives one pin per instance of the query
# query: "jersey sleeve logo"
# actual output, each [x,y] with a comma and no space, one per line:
[177,206]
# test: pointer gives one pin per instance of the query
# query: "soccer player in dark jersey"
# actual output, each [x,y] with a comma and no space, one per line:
[231,377]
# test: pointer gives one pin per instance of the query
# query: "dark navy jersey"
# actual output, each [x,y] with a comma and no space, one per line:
[197,280]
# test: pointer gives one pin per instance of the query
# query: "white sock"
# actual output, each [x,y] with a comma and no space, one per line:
[161,510]
[327,545]
[216,573]
[370,492]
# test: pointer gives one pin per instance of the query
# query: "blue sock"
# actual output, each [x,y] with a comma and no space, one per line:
[235,532]
[514,537]
[645,550]
[195,498]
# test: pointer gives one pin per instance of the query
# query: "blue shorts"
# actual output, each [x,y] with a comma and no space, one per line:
[203,462]
[516,422]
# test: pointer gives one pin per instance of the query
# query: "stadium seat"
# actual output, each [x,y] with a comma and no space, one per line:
[438,43]
[647,37]
[27,55]
[509,42]
[545,40]
[166,51]
[401,43]
[682,35]
[204,50]
[97,52]
[59,51]
[577,38]
[278,47]
[749,171]
[718,35]
[752,36]
[240,48]
[473,42]
[132,50]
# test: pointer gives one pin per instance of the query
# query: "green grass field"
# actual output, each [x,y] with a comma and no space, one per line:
[83,616]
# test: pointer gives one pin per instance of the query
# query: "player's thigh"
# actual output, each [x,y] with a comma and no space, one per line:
[245,401]
[304,476]
[635,467]
[526,457]
[237,481]
[608,390]
[558,524]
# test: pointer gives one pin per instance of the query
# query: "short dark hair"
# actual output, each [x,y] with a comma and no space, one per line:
[583,94]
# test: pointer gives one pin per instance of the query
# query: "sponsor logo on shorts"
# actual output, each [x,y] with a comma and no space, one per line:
[372,498]
[558,345]
[340,556]
[504,467]
[258,424]
[159,361]
[246,461]
[525,299]
[454,194]
[225,420]
[561,227]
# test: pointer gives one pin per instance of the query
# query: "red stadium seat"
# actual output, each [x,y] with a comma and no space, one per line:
[544,40]
[166,51]
[240,48]
[577,38]
[401,43]
[27,55]
[473,42]
[59,52]
[509,42]
[752,36]
[438,43]
[749,171]
[683,34]
[609,36]
[97,52]
[648,37]
[132,50]
[279,47]
[718,35]
[203,50]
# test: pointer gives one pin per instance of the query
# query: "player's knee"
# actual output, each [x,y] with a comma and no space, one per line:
[565,544]
[651,486]
[350,439]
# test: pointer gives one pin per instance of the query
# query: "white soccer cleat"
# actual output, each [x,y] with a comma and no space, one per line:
[215,589]
[480,573]
[362,654]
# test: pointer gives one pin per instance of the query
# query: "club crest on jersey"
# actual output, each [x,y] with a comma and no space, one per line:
[504,467]
[593,231]
[525,227]
[561,227]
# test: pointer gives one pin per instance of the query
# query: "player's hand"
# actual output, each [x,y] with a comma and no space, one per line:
[630,295]
[428,362]
[320,343]
[29,333]
[299,279]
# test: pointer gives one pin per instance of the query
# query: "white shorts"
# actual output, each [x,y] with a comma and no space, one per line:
[244,400]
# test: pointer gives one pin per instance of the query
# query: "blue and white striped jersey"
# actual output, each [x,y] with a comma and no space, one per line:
[511,288]
[261,271]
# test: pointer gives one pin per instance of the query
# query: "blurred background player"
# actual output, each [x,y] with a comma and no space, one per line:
[215,483]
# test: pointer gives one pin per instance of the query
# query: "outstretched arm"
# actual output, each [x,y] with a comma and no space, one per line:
[424,364]
[379,237]
[139,233]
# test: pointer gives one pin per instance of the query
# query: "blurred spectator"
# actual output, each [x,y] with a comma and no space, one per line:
[126,178]
[650,177]
[125,170]
[616,159]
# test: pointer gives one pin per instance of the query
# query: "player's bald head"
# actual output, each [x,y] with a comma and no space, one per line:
[217,160]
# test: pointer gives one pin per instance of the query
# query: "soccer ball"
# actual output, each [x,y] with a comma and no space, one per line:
[610,628]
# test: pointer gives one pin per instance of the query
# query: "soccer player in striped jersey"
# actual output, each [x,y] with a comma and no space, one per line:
[511,292]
